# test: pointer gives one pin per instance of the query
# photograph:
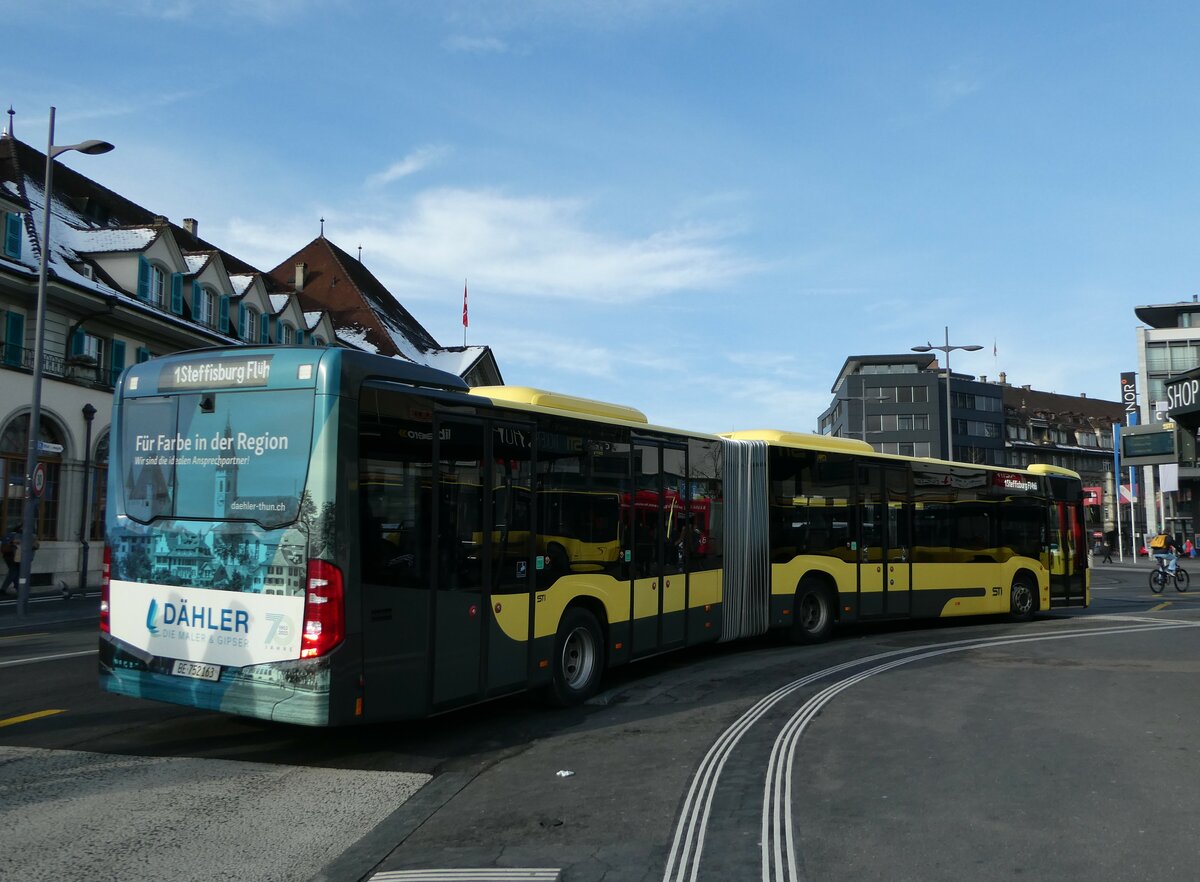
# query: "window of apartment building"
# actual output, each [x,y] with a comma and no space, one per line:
[1017,433]
[897,422]
[905,448]
[888,369]
[977,428]
[899,394]
[87,346]
[318,340]
[247,323]
[99,488]
[14,442]
[286,333]
[12,235]
[151,282]
[203,303]
[14,339]
[1173,356]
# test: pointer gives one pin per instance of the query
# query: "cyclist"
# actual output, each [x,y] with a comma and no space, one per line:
[1164,549]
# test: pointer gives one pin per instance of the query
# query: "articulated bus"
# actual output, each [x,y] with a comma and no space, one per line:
[324,537]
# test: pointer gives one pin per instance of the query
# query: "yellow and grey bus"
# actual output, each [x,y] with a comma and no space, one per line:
[324,537]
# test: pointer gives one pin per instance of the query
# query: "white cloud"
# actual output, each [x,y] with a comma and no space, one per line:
[475,45]
[419,159]
[522,246]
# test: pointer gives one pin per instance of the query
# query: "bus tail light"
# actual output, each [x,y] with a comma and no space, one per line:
[105,578]
[324,610]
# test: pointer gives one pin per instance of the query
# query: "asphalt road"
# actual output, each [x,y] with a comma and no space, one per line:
[985,750]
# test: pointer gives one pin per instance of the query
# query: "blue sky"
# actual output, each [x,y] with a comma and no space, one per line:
[696,208]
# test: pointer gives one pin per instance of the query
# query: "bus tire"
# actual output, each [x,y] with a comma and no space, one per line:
[578,661]
[560,564]
[812,614]
[1022,599]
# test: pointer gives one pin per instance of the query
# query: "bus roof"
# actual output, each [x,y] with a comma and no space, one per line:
[1041,468]
[557,401]
[801,439]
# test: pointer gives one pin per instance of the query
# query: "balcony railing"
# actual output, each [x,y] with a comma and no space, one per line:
[75,370]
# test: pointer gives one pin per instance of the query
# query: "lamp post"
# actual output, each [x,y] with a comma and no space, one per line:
[29,508]
[85,529]
[947,348]
[877,398]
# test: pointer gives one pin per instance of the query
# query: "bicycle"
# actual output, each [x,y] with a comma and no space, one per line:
[1160,576]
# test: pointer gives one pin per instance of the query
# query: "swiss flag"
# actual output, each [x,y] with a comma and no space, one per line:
[464,304]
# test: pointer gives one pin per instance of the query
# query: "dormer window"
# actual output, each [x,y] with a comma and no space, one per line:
[151,284]
[249,329]
[286,333]
[204,305]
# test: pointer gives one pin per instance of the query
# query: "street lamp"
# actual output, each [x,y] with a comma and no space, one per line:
[29,508]
[877,398]
[947,348]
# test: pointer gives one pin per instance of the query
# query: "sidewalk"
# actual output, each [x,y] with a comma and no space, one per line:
[48,603]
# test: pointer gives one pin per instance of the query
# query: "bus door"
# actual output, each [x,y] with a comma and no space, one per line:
[1068,566]
[460,537]
[659,586]
[512,574]
[884,540]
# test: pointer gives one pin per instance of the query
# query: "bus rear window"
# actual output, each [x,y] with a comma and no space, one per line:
[235,455]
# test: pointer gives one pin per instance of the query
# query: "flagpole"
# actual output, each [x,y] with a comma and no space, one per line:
[464,313]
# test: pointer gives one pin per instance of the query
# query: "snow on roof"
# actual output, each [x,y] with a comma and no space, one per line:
[279,301]
[356,337]
[241,282]
[196,262]
[454,361]
[100,241]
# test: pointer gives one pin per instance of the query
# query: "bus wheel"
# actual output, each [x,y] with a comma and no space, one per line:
[813,614]
[1023,599]
[560,564]
[578,659]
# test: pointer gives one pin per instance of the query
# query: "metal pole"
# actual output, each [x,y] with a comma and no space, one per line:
[949,420]
[89,413]
[29,509]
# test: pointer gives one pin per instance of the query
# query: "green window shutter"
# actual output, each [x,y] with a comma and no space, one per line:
[143,354]
[12,234]
[265,334]
[14,339]
[242,322]
[196,295]
[77,342]
[116,361]
[143,288]
[223,323]
[299,337]
[177,293]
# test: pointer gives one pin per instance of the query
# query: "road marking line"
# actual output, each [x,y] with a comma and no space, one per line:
[1161,606]
[41,658]
[25,718]
[23,636]
[508,874]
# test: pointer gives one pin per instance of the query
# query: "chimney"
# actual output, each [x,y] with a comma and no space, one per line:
[160,220]
[1003,378]
[1083,395]
[190,224]
[301,274]
[983,378]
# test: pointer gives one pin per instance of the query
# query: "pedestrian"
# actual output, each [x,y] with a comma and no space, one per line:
[8,550]
[1097,550]
[1107,553]
[1189,550]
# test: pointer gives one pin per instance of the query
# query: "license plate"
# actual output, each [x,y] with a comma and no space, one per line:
[199,670]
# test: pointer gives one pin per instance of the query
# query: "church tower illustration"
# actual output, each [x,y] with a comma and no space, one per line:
[225,491]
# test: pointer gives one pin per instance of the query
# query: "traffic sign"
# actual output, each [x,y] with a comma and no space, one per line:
[39,478]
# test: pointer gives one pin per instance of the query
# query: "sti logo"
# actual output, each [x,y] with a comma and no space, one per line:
[152,617]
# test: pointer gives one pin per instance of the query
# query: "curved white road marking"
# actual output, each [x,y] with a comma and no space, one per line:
[687,847]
